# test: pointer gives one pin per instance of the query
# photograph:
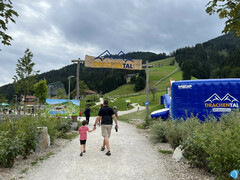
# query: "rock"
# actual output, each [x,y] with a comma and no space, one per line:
[74,126]
[43,139]
[49,140]
[178,155]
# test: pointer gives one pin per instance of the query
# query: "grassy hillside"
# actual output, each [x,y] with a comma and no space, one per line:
[164,62]
[125,92]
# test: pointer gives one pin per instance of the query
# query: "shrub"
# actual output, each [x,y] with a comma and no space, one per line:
[27,127]
[215,145]
[11,145]
[179,130]
[51,124]
[223,151]
[172,131]
[158,131]
[63,125]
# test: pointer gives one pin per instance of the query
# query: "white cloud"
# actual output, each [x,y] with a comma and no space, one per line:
[59,31]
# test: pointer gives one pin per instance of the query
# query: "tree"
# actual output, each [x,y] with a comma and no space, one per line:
[133,80]
[153,90]
[40,89]
[82,88]
[6,15]
[2,98]
[61,94]
[228,9]
[25,77]
[139,84]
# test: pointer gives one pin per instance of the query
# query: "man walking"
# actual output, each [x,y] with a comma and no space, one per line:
[87,113]
[106,114]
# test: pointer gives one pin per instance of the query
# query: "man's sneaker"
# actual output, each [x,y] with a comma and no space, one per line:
[81,154]
[102,148]
[84,151]
[108,153]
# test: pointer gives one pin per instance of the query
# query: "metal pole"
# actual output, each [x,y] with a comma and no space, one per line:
[147,87]
[15,103]
[69,78]
[69,87]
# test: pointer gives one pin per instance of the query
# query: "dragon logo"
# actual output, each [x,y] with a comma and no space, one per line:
[220,104]
[227,97]
[121,55]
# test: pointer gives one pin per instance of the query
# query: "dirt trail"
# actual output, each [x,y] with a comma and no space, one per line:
[133,157]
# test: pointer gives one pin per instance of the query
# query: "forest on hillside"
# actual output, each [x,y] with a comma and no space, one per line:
[99,80]
[217,58]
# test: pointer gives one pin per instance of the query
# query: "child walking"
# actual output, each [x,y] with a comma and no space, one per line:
[83,136]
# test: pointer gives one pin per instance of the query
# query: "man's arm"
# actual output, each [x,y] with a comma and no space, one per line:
[96,121]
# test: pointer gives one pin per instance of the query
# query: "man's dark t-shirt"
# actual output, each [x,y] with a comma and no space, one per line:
[106,114]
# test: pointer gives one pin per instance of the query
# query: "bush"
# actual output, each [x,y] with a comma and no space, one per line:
[172,131]
[20,137]
[158,131]
[179,130]
[51,124]
[28,129]
[10,148]
[215,145]
[11,144]
[63,125]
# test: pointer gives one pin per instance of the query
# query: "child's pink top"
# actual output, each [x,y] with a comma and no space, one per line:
[83,132]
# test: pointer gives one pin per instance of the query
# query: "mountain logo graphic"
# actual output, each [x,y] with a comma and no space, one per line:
[107,55]
[234,174]
[227,97]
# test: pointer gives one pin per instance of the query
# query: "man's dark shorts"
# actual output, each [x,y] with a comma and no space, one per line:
[83,141]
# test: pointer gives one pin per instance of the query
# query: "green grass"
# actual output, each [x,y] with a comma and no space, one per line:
[70,136]
[139,116]
[24,170]
[124,89]
[47,156]
[164,62]
[34,163]
[155,74]
[165,151]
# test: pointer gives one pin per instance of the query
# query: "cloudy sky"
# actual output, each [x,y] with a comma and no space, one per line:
[57,31]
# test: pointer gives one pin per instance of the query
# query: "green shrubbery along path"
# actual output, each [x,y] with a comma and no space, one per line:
[212,145]
[19,138]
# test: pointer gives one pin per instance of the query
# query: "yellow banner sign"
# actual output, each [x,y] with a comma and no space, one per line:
[115,63]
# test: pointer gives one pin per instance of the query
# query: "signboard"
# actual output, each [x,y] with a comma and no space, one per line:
[146,103]
[107,60]
[62,107]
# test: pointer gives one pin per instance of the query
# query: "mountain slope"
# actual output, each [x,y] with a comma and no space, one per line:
[210,59]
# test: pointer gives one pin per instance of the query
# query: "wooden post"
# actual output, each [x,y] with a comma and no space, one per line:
[77,79]
[147,87]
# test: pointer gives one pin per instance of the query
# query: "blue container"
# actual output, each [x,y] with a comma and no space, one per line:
[204,97]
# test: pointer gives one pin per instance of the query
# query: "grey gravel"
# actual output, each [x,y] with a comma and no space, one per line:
[132,158]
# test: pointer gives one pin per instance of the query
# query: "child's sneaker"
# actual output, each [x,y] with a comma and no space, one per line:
[81,154]
[108,153]
[84,151]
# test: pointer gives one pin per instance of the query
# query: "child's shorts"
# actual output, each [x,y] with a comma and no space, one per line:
[83,141]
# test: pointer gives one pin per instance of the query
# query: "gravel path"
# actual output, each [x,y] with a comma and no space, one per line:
[132,158]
